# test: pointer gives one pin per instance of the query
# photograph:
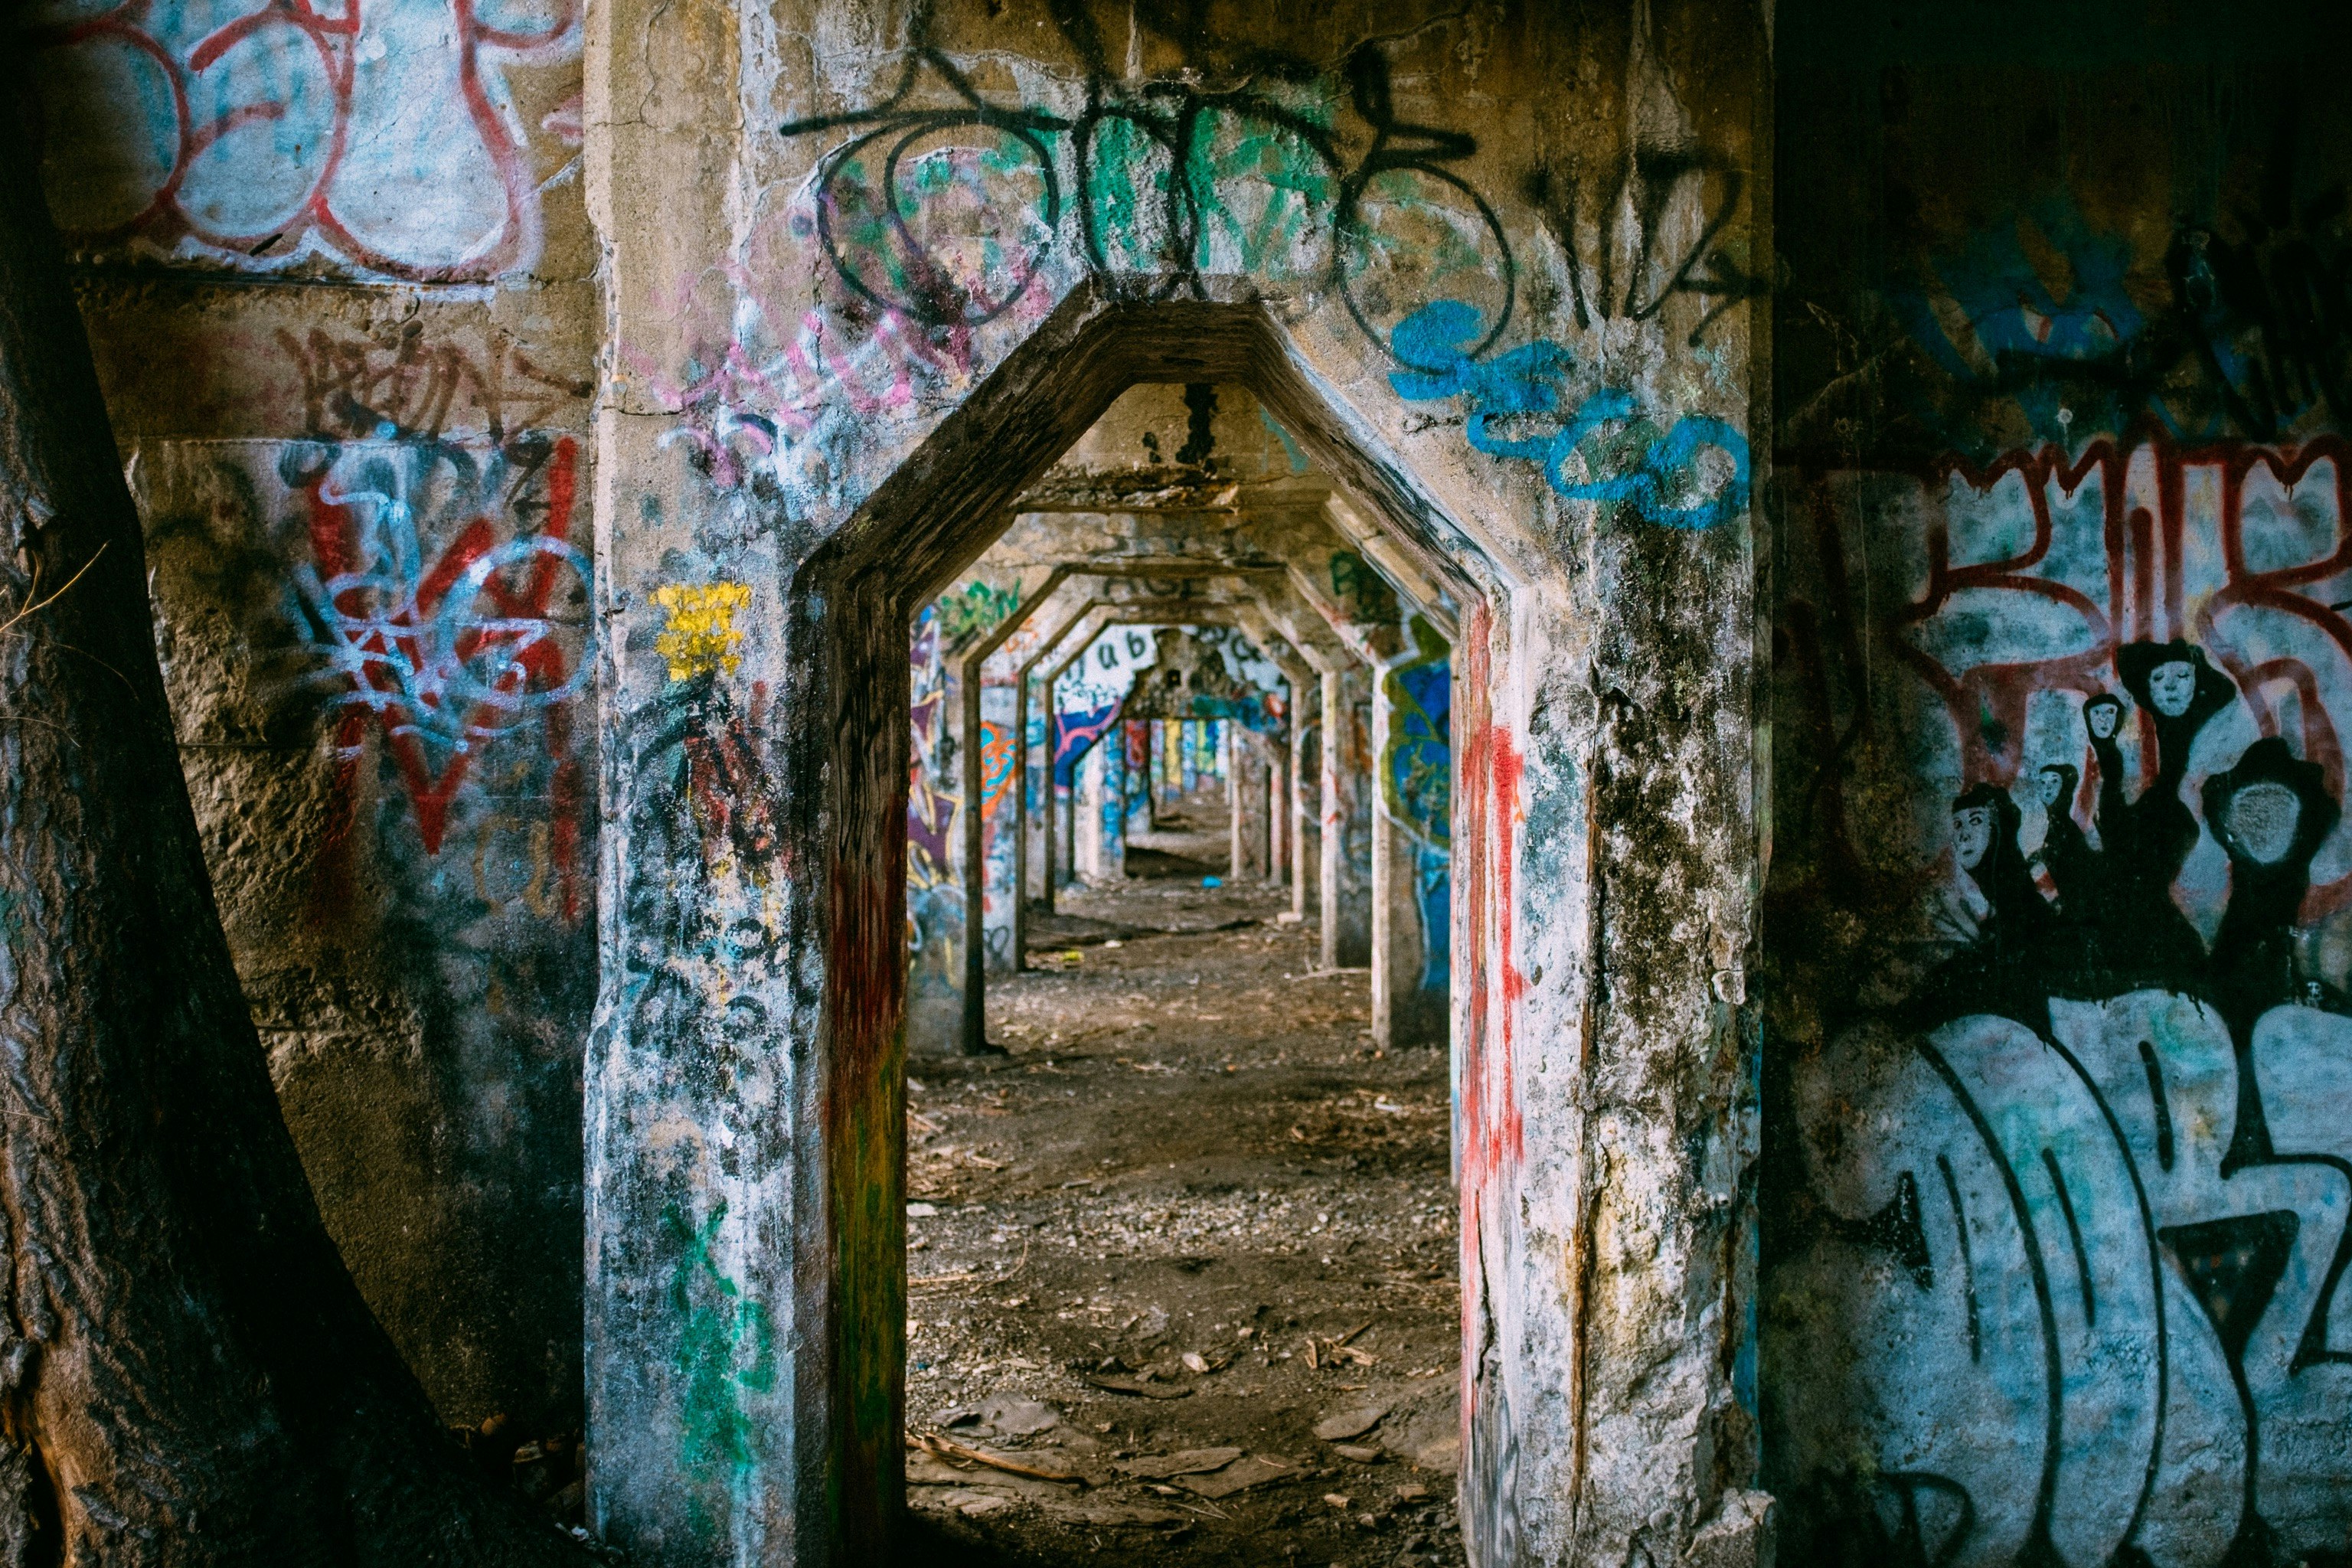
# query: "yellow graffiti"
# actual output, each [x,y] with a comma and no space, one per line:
[701,637]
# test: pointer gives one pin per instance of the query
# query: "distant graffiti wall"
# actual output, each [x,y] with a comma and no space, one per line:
[1416,786]
[414,139]
[2057,1191]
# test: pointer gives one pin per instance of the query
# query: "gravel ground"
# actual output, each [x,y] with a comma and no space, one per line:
[1191,1217]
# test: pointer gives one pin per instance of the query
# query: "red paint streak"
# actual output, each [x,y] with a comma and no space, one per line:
[1492,1133]
[537,664]
[726,780]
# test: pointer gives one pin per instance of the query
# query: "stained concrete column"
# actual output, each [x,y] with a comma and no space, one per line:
[1037,805]
[1306,804]
[1246,791]
[1347,818]
[998,831]
[1413,764]
[1097,803]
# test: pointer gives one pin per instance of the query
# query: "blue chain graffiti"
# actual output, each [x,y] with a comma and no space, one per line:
[1623,454]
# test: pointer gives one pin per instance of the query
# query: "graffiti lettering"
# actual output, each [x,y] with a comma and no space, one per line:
[1689,473]
[446,655]
[387,136]
[353,386]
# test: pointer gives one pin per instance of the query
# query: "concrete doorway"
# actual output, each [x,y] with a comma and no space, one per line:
[924,526]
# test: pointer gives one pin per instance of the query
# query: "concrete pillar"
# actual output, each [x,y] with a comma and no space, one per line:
[1248,790]
[999,828]
[1099,832]
[1237,849]
[1036,796]
[1412,856]
[1053,844]
[1137,814]
[1347,869]
[1067,809]
[1306,813]
[935,893]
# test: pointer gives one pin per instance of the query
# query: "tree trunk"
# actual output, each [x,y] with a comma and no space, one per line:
[187,1375]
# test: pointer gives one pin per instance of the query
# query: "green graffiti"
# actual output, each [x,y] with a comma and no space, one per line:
[977,609]
[1364,597]
[1242,163]
[726,1350]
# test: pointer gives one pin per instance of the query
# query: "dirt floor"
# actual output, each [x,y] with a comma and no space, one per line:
[1190,1242]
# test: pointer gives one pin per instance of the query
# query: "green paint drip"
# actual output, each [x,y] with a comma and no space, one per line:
[726,1350]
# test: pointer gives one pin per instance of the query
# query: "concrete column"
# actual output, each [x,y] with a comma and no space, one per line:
[999,828]
[1248,788]
[1053,844]
[1141,791]
[1307,814]
[1347,869]
[1036,796]
[1413,766]
[1097,797]
[1236,838]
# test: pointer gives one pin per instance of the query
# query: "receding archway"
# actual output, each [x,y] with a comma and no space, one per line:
[848,754]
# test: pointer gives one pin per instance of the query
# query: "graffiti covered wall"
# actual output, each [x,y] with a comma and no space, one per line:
[1415,783]
[864,289]
[414,139]
[337,274]
[2059,1198]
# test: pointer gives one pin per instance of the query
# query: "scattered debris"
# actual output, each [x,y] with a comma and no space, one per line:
[1190,1462]
[1010,1415]
[1131,1386]
[1173,1230]
[1353,1422]
[1250,1470]
[1035,1470]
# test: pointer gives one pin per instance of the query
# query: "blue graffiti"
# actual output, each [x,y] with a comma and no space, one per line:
[1419,786]
[2015,313]
[1626,456]
[1074,733]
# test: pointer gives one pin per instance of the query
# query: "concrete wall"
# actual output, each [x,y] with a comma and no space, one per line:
[339,280]
[1540,379]
[2060,1185]
[1492,272]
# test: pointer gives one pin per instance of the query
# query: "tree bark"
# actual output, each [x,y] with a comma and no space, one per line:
[187,1375]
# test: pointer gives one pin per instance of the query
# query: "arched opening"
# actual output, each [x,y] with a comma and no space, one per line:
[922,528]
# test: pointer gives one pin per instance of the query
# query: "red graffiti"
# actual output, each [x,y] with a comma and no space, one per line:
[403,661]
[1492,1135]
[289,121]
[2164,579]
[726,780]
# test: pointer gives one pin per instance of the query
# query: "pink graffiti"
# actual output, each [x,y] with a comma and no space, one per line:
[384,132]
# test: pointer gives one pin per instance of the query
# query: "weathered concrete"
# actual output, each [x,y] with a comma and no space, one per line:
[1488,279]
[1412,835]
[2059,1183]
[1346,816]
[348,344]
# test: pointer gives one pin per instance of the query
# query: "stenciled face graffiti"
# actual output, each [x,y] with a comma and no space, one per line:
[2058,1270]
